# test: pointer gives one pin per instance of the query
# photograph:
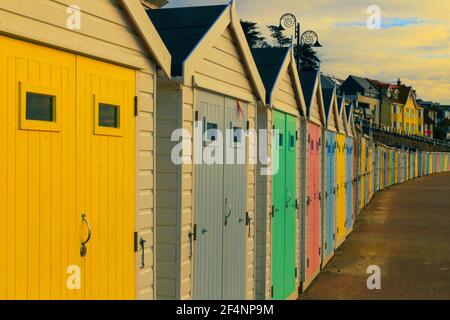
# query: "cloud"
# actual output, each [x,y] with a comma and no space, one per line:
[386,23]
[414,44]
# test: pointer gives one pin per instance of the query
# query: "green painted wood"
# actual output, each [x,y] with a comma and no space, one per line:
[284,219]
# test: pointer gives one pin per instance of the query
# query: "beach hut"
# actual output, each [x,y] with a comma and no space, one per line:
[349,145]
[78,97]
[206,165]
[311,185]
[329,169]
[277,249]
[355,151]
[341,178]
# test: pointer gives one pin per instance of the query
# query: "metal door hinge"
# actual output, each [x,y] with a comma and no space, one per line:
[136,110]
[135,241]
[320,249]
[273,211]
[334,236]
[248,125]
[271,291]
[296,203]
[296,273]
[307,262]
[193,233]
[326,245]
[196,115]
[296,135]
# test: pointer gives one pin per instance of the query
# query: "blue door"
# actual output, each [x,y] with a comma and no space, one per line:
[330,193]
[420,164]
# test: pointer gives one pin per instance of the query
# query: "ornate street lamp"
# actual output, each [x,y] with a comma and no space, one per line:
[309,37]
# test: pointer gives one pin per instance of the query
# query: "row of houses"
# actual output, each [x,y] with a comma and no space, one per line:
[392,106]
[101,198]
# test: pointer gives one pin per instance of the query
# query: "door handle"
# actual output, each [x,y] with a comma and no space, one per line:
[83,249]
[289,199]
[229,211]
[142,242]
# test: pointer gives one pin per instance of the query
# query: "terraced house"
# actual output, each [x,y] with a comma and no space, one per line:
[399,109]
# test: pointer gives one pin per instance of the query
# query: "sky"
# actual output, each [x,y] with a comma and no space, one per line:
[413,43]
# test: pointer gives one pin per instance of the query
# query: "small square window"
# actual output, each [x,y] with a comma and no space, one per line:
[108,115]
[237,135]
[211,131]
[40,107]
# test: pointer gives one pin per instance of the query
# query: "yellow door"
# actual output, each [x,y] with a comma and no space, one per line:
[54,167]
[340,215]
[106,176]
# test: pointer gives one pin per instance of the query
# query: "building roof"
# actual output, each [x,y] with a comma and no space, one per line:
[269,61]
[308,81]
[358,84]
[328,90]
[379,84]
[181,29]
[327,82]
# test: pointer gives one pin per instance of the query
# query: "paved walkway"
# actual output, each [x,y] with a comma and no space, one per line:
[405,230]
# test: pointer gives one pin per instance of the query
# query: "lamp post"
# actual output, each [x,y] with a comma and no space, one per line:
[309,37]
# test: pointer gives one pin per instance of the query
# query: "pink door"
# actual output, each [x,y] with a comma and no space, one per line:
[311,202]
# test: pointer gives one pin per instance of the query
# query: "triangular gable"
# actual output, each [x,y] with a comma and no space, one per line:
[148,34]
[289,66]
[332,123]
[228,19]
[341,119]
[312,90]
[350,124]
[343,115]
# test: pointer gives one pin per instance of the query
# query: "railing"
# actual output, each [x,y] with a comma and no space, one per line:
[369,127]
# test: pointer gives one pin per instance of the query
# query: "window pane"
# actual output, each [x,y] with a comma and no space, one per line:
[39,107]
[211,131]
[237,134]
[108,116]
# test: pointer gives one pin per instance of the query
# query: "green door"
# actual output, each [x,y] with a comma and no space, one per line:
[284,202]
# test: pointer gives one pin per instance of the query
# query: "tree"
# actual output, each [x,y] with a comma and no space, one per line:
[308,58]
[254,37]
[277,34]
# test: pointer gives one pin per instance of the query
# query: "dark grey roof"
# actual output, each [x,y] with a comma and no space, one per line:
[327,82]
[181,29]
[308,80]
[359,84]
[268,62]
[363,82]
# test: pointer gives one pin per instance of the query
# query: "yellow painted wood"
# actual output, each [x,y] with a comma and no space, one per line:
[52,177]
[362,173]
[340,195]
